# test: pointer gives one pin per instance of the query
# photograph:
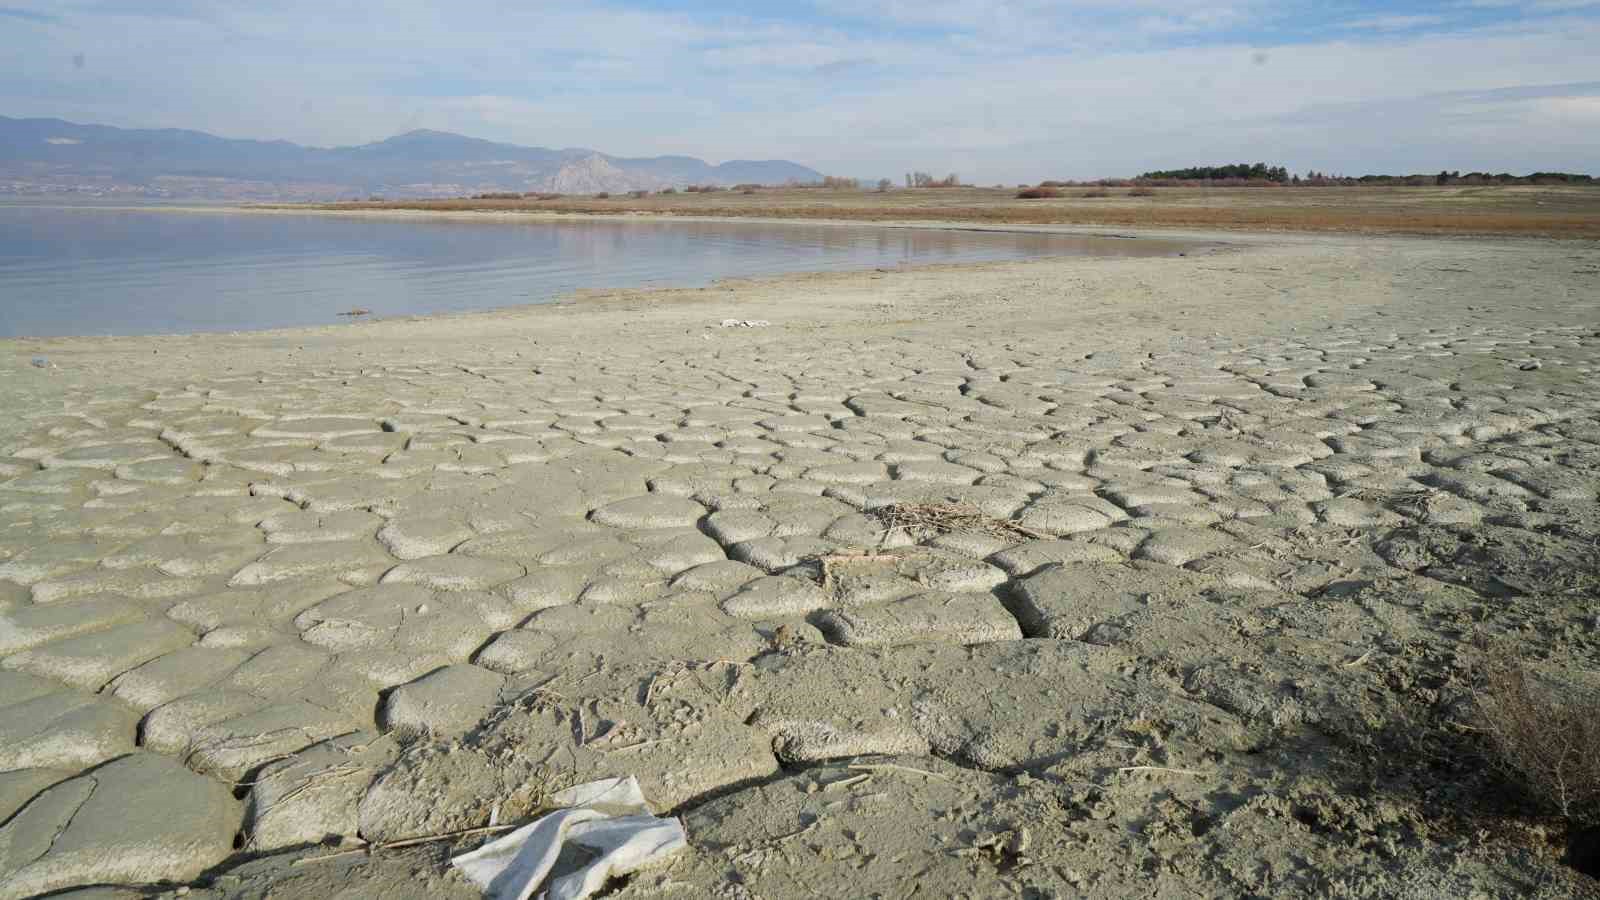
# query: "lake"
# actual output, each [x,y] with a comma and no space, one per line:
[94,271]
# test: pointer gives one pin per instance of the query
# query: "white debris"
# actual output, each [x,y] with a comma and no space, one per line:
[608,817]
[745,323]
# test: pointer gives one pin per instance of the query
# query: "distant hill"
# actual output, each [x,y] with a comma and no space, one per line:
[54,156]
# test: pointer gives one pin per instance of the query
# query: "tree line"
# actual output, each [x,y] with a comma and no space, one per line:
[1247,171]
[1261,173]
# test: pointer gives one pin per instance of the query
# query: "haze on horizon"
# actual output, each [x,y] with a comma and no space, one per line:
[1009,91]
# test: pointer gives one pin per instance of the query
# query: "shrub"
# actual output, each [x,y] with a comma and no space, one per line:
[1545,737]
[638,195]
[603,195]
[1096,192]
[498,195]
[746,188]
[1142,191]
[1038,193]
[669,190]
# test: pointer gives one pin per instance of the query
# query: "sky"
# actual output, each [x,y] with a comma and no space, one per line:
[1007,91]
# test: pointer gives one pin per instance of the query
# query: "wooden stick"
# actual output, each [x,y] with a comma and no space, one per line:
[408,842]
[448,836]
[891,767]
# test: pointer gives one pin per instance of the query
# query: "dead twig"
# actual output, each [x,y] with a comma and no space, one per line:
[891,767]
[1358,661]
[1130,769]
[407,842]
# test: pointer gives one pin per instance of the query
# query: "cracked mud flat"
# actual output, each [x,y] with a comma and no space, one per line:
[264,597]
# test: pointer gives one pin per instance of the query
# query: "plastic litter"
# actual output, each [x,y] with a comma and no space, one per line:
[609,818]
[745,323]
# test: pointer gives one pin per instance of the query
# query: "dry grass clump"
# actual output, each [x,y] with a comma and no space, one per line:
[1545,737]
[925,520]
[1096,192]
[1038,193]
[1142,192]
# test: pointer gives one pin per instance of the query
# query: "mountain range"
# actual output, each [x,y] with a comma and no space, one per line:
[55,156]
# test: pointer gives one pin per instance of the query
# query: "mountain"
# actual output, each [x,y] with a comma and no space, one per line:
[55,156]
[594,174]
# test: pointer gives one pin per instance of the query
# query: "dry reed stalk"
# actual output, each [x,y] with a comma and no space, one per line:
[924,520]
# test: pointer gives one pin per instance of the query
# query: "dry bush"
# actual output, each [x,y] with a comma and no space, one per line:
[668,190]
[1544,736]
[603,195]
[1038,193]
[1096,192]
[638,195]
[1142,192]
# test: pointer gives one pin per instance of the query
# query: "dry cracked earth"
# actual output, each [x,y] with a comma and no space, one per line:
[1205,624]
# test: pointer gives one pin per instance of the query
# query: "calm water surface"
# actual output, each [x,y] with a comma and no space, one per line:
[144,271]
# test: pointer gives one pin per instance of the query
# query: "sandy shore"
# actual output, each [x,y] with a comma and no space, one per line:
[1235,527]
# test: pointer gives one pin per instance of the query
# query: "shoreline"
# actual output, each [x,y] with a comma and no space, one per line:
[1191,243]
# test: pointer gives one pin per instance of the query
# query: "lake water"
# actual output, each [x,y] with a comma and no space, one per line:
[94,271]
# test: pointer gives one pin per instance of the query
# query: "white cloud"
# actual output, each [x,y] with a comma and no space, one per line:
[1010,91]
[1395,23]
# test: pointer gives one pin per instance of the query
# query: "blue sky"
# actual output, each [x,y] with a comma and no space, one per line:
[1007,91]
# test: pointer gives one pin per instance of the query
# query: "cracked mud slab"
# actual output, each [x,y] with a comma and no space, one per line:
[1221,537]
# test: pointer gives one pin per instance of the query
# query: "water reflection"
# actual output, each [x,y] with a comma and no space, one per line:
[97,271]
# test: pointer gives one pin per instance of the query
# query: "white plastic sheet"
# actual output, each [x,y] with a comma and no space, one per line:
[607,817]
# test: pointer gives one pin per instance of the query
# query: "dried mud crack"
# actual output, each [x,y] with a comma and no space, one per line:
[1066,578]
